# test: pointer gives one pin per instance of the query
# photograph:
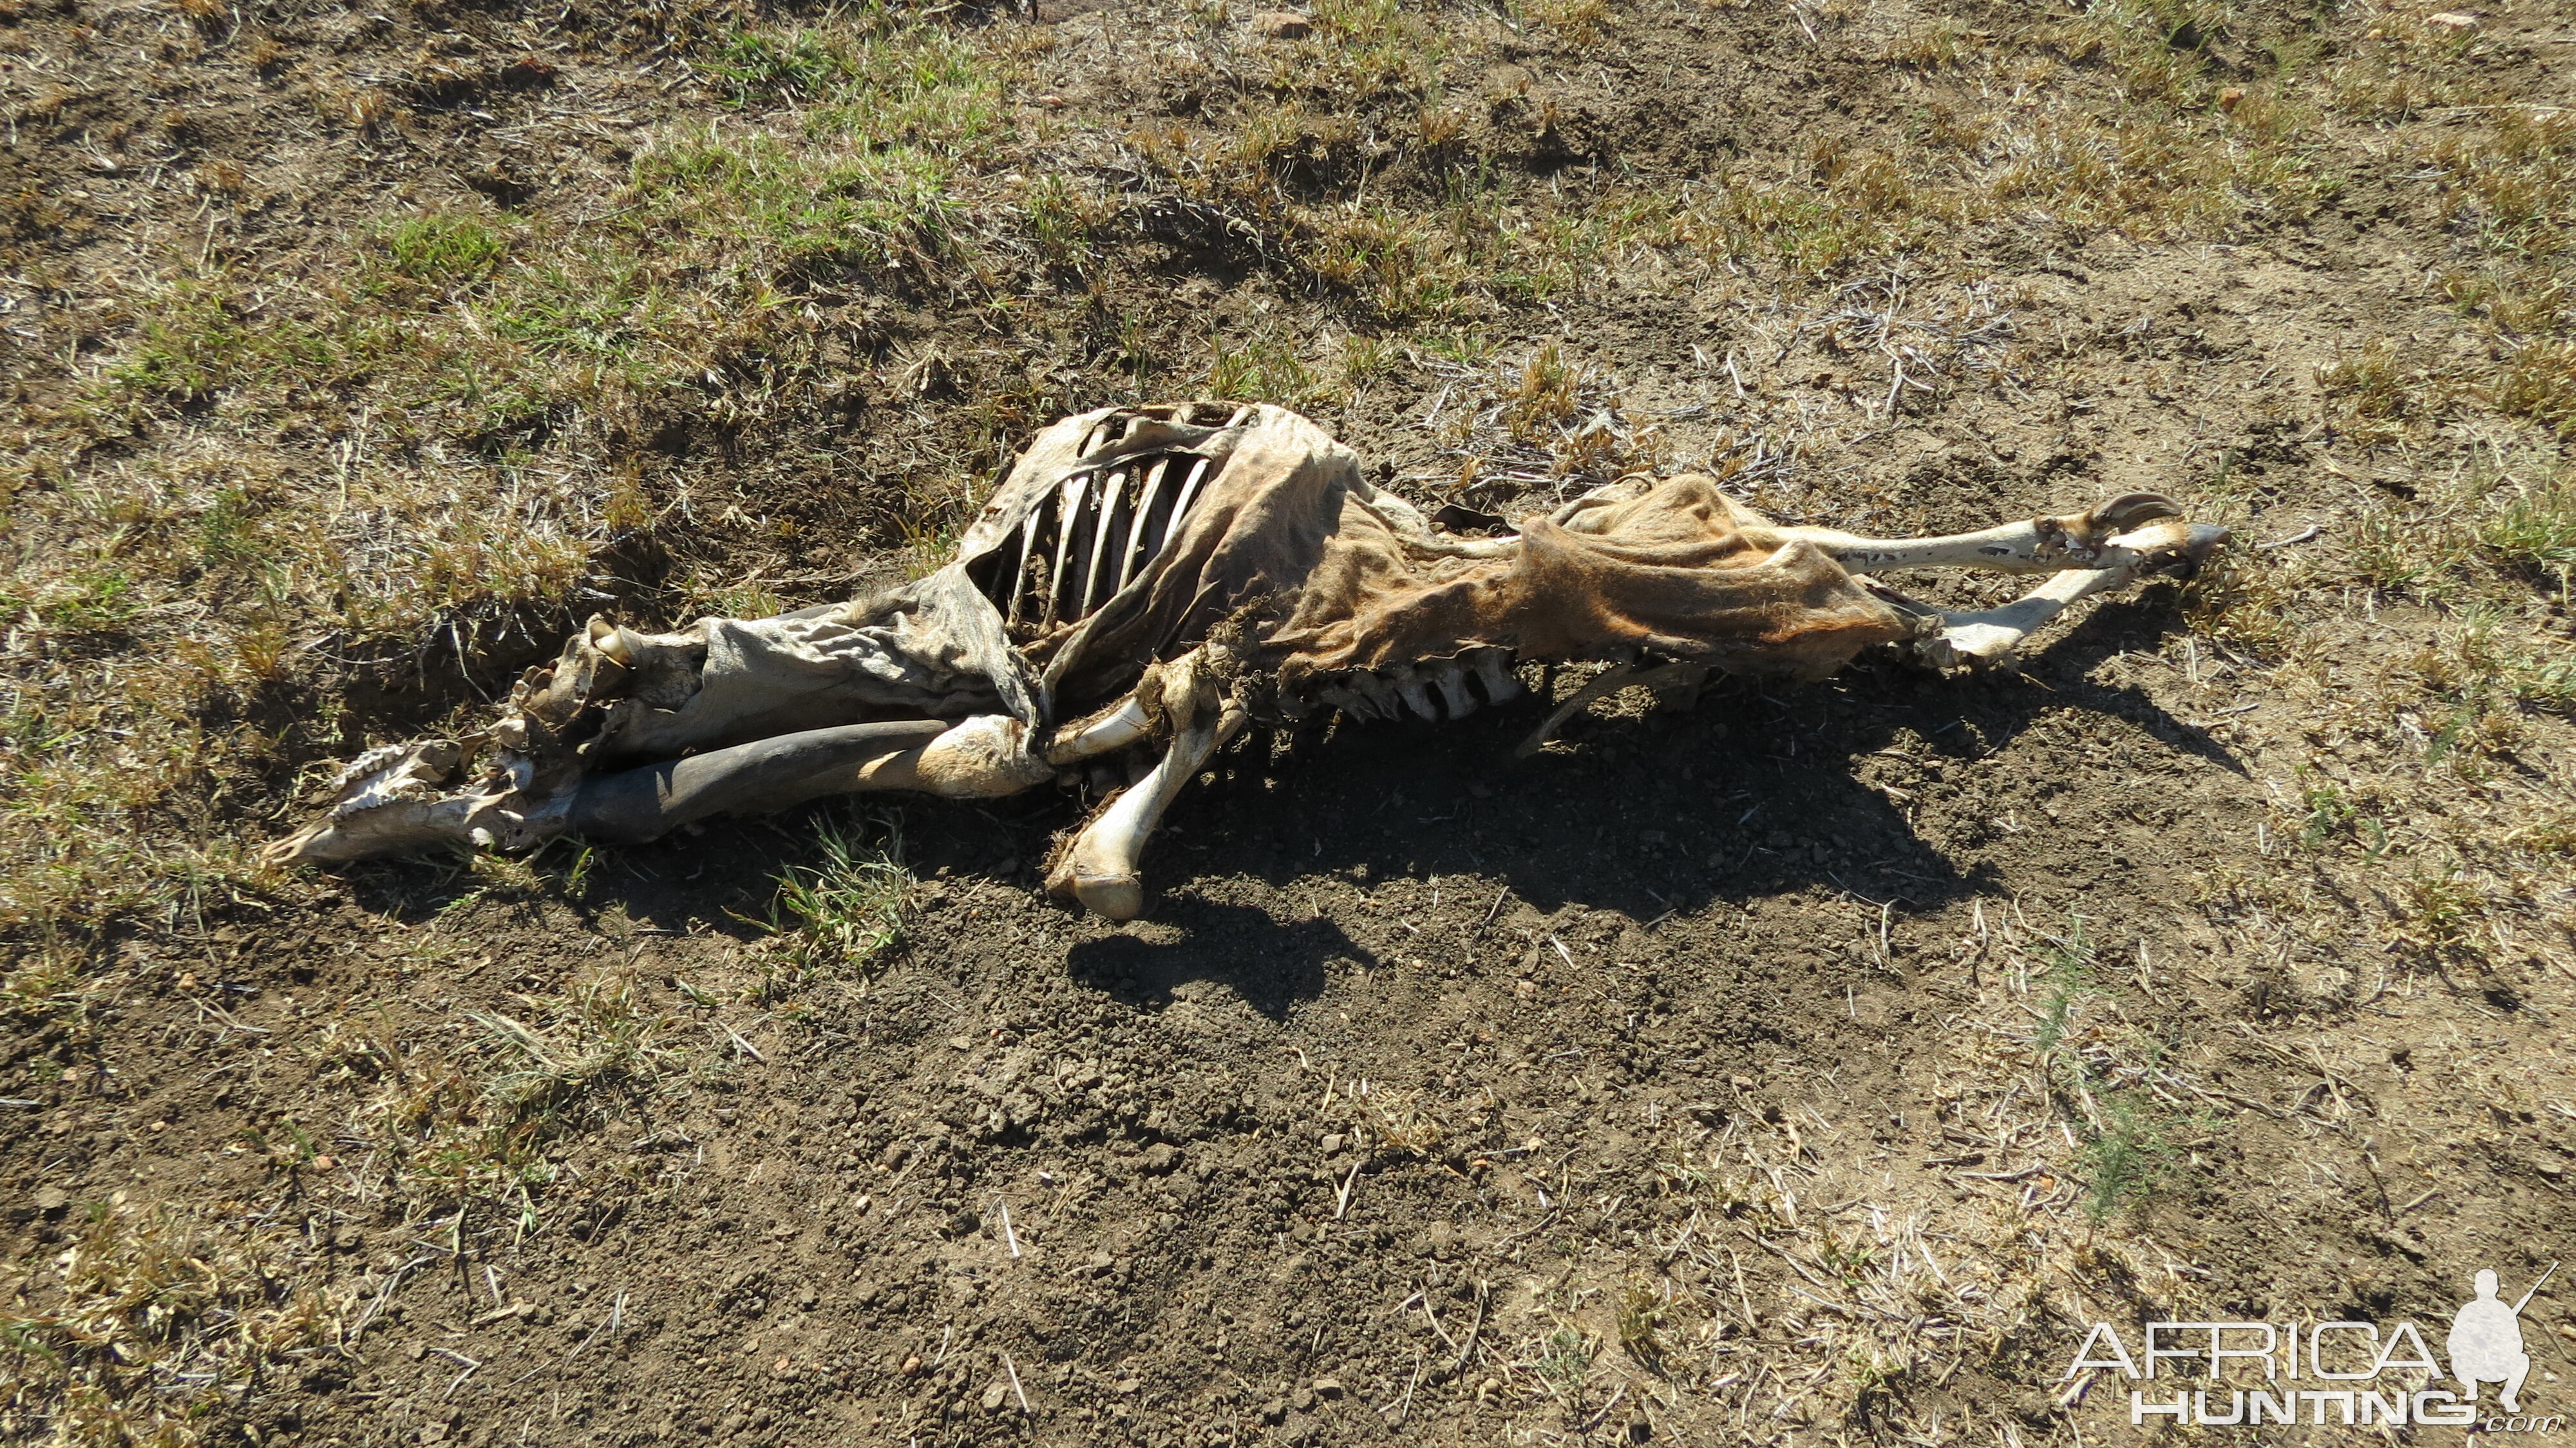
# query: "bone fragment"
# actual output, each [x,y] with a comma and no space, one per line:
[1407,684]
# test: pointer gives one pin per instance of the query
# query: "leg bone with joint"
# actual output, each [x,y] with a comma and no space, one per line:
[2122,531]
[1100,869]
[1989,636]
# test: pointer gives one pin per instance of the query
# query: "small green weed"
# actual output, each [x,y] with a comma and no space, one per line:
[2123,1152]
[848,908]
[2126,1155]
[93,600]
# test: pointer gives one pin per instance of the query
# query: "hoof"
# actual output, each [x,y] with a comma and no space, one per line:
[1112,897]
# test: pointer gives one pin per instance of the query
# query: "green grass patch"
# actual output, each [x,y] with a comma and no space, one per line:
[843,911]
[445,250]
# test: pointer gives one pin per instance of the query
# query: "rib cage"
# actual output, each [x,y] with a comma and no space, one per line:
[1095,535]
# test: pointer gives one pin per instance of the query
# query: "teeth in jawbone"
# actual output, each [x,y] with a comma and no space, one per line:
[1493,670]
[1408,686]
[1382,698]
[1453,690]
[605,637]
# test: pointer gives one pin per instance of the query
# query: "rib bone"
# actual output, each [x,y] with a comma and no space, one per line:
[1113,489]
[1068,509]
[1142,543]
[1020,580]
[1189,492]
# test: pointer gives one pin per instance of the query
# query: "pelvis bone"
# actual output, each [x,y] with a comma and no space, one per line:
[1146,582]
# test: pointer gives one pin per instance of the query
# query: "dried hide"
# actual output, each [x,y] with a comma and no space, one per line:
[1673,568]
[1348,577]
[1149,580]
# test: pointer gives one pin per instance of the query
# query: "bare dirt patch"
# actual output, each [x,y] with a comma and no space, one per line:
[1814,1064]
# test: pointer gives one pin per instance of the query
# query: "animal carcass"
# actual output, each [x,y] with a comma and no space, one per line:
[1149,581]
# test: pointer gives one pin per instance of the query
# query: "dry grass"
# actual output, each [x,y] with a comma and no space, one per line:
[151,1327]
[459,1118]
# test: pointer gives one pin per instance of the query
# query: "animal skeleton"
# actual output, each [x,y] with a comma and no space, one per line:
[1146,582]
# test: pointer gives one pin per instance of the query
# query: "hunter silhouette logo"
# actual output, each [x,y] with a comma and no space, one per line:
[2356,1374]
[2486,1341]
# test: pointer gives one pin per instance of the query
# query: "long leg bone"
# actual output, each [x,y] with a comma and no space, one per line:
[2108,536]
[982,758]
[1989,636]
[1100,869]
[410,798]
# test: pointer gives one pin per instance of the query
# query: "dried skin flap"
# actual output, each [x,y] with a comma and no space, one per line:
[902,655]
[1673,567]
